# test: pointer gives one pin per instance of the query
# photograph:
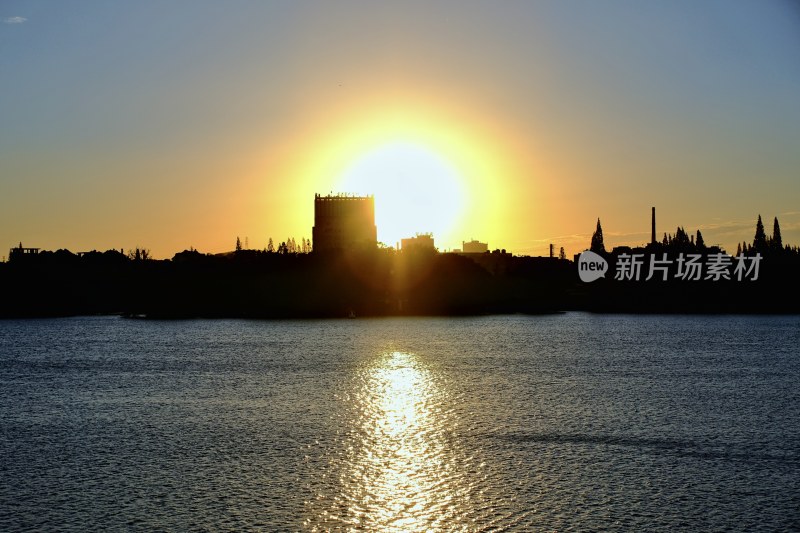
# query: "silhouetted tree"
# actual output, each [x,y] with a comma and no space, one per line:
[139,254]
[699,242]
[777,241]
[760,239]
[597,245]
[562,254]
[238,245]
[270,246]
[738,249]
[681,238]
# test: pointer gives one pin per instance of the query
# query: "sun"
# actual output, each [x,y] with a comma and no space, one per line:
[416,191]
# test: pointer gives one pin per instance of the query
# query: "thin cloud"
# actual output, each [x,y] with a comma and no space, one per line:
[14,20]
[621,234]
[789,226]
[730,225]
[558,238]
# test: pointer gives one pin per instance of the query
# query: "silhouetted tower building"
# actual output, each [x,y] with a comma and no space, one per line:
[344,222]
[653,228]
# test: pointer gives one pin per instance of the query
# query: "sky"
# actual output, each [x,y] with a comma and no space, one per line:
[170,125]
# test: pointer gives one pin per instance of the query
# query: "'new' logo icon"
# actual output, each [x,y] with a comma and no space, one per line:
[591,266]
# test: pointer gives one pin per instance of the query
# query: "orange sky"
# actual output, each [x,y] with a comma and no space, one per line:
[189,125]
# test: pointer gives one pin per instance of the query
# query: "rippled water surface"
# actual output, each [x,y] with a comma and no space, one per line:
[566,422]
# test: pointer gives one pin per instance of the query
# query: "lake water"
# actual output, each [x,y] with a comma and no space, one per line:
[533,423]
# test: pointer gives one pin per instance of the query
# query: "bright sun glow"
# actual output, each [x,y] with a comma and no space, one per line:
[415,190]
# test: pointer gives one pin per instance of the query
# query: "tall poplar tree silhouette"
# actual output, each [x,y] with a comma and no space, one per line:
[777,241]
[699,242]
[760,240]
[597,245]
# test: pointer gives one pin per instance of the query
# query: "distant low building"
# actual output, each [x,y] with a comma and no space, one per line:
[344,222]
[421,241]
[19,253]
[496,262]
[474,247]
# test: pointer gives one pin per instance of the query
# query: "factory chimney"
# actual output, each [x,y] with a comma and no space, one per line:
[653,229]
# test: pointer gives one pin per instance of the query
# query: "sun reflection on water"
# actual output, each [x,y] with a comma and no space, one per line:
[397,468]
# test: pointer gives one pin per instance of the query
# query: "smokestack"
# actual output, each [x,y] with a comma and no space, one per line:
[653,233]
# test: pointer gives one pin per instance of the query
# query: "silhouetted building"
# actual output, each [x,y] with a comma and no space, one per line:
[18,253]
[344,222]
[496,262]
[474,247]
[421,241]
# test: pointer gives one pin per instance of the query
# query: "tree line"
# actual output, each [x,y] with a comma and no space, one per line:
[289,246]
[682,241]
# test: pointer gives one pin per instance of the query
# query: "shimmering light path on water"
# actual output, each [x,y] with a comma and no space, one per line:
[396,460]
[566,422]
